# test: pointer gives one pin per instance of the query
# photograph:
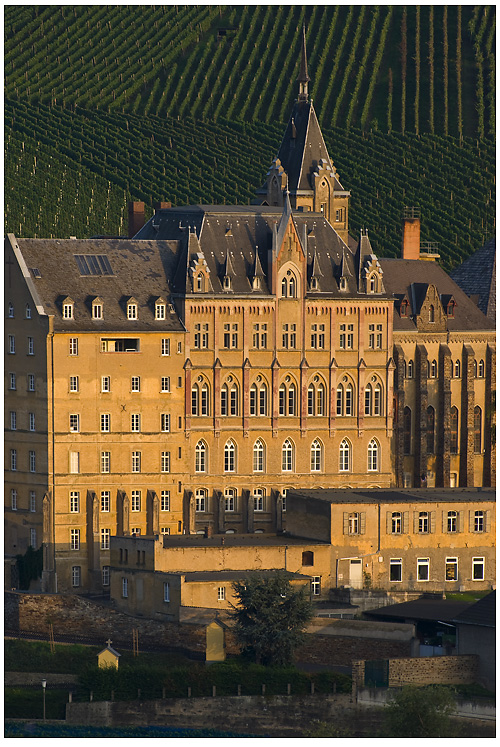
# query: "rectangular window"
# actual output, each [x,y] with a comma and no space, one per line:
[31,346]
[105,383]
[423,522]
[478,569]
[230,336]
[12,344]
[353,523]
[96,311]
[136,500]
[316,586]
[451,569]
[479,521]
[32,461]
[165,383]
[165,346]
[165,461]
[258,500]
[13,460]
[200,336]
[136,461]
[165,500]
[124,588]
[200,501]
[259,337]
[12,381]
[76,575]
[422,569]
[105,501]
[131,311]
[371,336]
[105,575]
[13,421]
[32,501]
[73,384]
[73,345]
[221,593]
[179,348]
[166,591]
[74,462]
[160,311]
[289,336]
[31,382]
[318,336]
[105,533]
[164,530]
[67,310]
[74,423]
[33,538]
[105,422]
[395,569]
[105,462]
[74,502]
[13,499]
[230,499]
[135,422]
[135,384]
[165,422]
[74,539]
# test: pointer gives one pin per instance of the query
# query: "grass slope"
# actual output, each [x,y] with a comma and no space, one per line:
[72,173]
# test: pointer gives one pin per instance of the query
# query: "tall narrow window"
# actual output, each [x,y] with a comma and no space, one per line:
[316,456]
[477,430]
[229,499]
[135,503]
[200,500]
[431,313]
[229,457]
[258,456]
[165,500]
[165,461]
[430,430]
[287,456]
[105,501]
[136,461]
[454,430]
[258,499]
[74,502]
[200,457]
[373,456]
[345,456]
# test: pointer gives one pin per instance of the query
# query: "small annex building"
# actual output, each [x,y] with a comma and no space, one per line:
[108,657]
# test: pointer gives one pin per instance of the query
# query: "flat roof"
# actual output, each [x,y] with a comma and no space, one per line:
[397,495]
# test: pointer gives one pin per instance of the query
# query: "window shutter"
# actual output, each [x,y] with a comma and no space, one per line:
[487,520]
[460,521]
[433,522]
[415,522]
[471,521]
[362,522]
[346,523]
[406,522]
[388,527]
[444,515]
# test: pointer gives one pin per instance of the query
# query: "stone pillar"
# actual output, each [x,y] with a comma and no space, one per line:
[333,397]
[443,418]
[275,372]
[420,415]
[248,502]
[467,419]
[216,395]
[93,542]
[304,369]
[152,513]
[361,384]
[489,459]
[245,391]
[279,512]
[189,512]
[219,518]
[49,568]
[399,407]
[188,371]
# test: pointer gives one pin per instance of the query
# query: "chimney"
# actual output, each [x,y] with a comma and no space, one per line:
[411,233]
[135,218]
[162,206]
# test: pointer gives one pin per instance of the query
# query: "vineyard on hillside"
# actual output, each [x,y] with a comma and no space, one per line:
[73,172]
[418,69]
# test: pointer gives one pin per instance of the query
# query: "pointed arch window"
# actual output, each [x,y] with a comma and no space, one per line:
[430,430]
[431,313]
[457,369]
[477,429]
[432,369]
[284,288]
[200,283]
[407,431]
[287,398]
[230,456]
[258,398]
[373,399]
[345,399]
[287,456]
[200,399]
[410,369]
[292,286]
[316,456]
[454,430]
[201,454]
[372,286]
[229,399]
[259,456]
[480,369]
[373,456]
[345,456]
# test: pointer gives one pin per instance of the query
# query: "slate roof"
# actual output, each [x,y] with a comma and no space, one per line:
[396,495]
[422,609]
[413,276]
[234,540]
[477,277]
[197,576]
[140,270]
[482,612]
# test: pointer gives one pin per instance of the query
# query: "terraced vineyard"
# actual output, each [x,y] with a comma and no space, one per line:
[72,173]
[188,103]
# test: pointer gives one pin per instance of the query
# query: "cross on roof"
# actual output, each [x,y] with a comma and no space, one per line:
[109,642]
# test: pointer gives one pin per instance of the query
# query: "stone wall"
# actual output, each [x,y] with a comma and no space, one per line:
[426,670]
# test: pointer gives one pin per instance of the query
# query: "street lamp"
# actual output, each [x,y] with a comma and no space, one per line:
[44,685]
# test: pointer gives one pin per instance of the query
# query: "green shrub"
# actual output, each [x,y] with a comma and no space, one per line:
[28,703]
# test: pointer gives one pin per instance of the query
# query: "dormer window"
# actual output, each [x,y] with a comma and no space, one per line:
[403,309]
[450,309]
[343,283]
[28,311]
[314,284]
[96,310]
[11,311]
[200,283]
[67,309]
[226,283]
[132,310]
[256,283]
[160,310]
[372,284]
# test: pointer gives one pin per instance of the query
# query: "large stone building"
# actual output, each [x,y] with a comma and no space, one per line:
[190,376]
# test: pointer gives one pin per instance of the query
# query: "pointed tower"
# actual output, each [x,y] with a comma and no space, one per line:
[304,166]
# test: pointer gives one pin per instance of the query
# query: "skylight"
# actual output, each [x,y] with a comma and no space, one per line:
[93,264]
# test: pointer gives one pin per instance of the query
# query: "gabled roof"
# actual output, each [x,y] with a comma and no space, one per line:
[482,612]
[421,609]
[477,277]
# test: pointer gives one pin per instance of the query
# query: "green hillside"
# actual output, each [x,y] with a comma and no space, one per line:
[188,103]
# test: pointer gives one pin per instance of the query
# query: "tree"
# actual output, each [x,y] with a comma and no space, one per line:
[420,712]
[270,617]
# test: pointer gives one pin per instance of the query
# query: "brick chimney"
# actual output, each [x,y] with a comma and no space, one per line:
[162,206]
[411,233]
[135,218]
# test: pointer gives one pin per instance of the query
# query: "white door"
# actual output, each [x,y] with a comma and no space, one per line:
[355,574]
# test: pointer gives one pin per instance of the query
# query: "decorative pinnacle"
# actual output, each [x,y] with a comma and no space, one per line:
[303,78]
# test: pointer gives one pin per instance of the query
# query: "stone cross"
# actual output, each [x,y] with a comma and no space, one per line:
[109,642]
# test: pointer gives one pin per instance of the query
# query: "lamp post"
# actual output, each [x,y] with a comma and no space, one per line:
[44,685]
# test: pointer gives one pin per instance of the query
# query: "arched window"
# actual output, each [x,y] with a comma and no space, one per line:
[368,399]
[292,286]
[229,399]
[258,398]
[200,283]
[431,313]
[287,456]
[259,455]
[454,430]
[430,430]
[200,498]
[396,522]
[320,400]
[410,369]
[340,400]
[230,456]
[481,369]
[349,400]
[377,399]
[457,369]
[433,370]
[345,399]
[311,397]
[200,461]
[345,456]
[259,495]
[316,456]
[477,429]
[230,499]
[405,370]
[316,399]
[199,399]
[287,397]
[284,288]
[373,284]
[373,456]
[407,431]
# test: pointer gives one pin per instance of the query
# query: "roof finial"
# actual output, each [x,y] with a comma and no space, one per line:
[303,78]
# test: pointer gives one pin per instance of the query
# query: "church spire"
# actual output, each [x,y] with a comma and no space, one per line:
[303,78]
